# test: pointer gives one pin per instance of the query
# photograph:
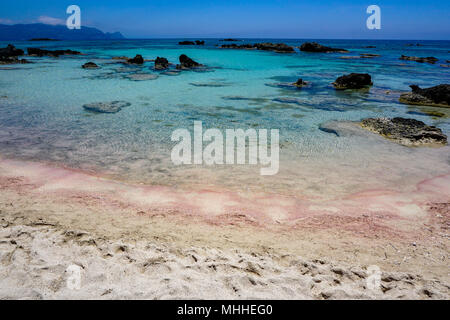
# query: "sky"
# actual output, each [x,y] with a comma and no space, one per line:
[327,19]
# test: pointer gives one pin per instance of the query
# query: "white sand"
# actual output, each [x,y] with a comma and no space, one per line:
[132,252]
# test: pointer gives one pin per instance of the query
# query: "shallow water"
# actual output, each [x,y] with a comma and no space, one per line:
[42,117]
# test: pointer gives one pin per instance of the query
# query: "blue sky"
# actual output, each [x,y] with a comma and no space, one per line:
[327,19]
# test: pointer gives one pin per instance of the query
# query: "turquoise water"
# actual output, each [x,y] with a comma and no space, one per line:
[41,114]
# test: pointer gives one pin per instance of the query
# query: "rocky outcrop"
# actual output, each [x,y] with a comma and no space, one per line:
[408,132]
[191,43]
[187,63]
[240,46]
[316,47]
[186,43]
[230,40]
[90,65]
[10,51]
[353,81]
[161,63]
[438,96]
[276,47]
[55,53]
[368,55]
[431,60]
[300,83]
[138,59]
[106,107]
[266,46]
[10,54]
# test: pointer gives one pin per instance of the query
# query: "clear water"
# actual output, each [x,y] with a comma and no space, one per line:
[41,114]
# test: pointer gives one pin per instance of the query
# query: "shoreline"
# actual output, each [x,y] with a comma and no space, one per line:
[402,233]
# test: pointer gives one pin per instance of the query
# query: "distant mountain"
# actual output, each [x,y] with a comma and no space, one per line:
[24,32]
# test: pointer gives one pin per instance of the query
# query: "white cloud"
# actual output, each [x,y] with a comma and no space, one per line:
[6,21]
[50,20]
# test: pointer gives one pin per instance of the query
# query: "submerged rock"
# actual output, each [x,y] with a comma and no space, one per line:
[316,47]
[187,63]
[438,96]
[368,55]
[421,60]
[141,76]
[106,107]
[136,60]
[55,53]
[353,81]
[408,132]
[161,63]
[90,65]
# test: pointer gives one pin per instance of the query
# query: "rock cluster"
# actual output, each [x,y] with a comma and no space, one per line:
[408,132]
[161,63]
[56,53]
[138,59]
[187,63]
[353,81]
[10,54]
[431,60]
[266,46]
[191,43]
[316,47]
[438,96]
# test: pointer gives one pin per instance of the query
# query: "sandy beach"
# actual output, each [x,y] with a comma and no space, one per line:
[136,241]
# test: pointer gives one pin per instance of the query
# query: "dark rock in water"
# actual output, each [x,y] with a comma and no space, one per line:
[418,59]
[266,46]
[368,55]
[230,40]
[408,132]
[187,63]
[369,47]
[43,39]
[276,47]
[235,46]
[106,107]
[56,53]
[438,96]
[199,43]
[90,65]
[186,43]
[136,60]
[161,63]
[300,83]
[316,47]
[353,81]
[10,54]
[10,51]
